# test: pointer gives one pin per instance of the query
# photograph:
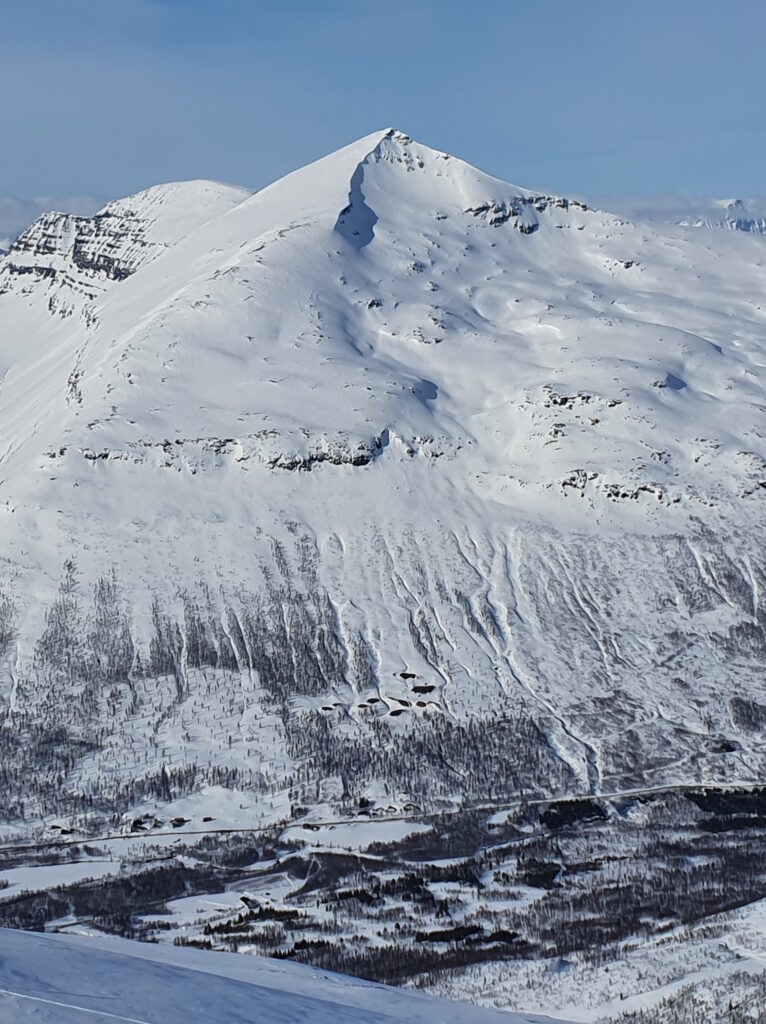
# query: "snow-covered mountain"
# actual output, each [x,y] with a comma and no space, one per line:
[447,412]
[509,405]
[393,486]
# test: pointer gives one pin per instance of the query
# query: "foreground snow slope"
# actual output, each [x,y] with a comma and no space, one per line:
[71,979]
[389,449]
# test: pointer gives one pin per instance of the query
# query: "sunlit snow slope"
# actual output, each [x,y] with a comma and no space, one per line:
[384,449]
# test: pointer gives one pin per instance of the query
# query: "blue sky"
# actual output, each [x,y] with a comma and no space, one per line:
[576,96]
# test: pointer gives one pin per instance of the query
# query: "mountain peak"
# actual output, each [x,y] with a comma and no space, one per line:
[213,196]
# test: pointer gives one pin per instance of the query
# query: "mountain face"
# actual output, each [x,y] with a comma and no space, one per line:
[389,423]
[392,485]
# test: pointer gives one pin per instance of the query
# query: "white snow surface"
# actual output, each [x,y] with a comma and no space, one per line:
[71,979]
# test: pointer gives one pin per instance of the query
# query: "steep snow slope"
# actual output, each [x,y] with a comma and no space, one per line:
[71,979]
[386,448]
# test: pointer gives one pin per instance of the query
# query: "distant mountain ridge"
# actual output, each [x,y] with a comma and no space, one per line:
[748,215]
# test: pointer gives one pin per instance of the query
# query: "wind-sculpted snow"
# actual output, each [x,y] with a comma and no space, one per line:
[391,486]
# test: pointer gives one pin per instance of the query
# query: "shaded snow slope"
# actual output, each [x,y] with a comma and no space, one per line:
[71,979]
